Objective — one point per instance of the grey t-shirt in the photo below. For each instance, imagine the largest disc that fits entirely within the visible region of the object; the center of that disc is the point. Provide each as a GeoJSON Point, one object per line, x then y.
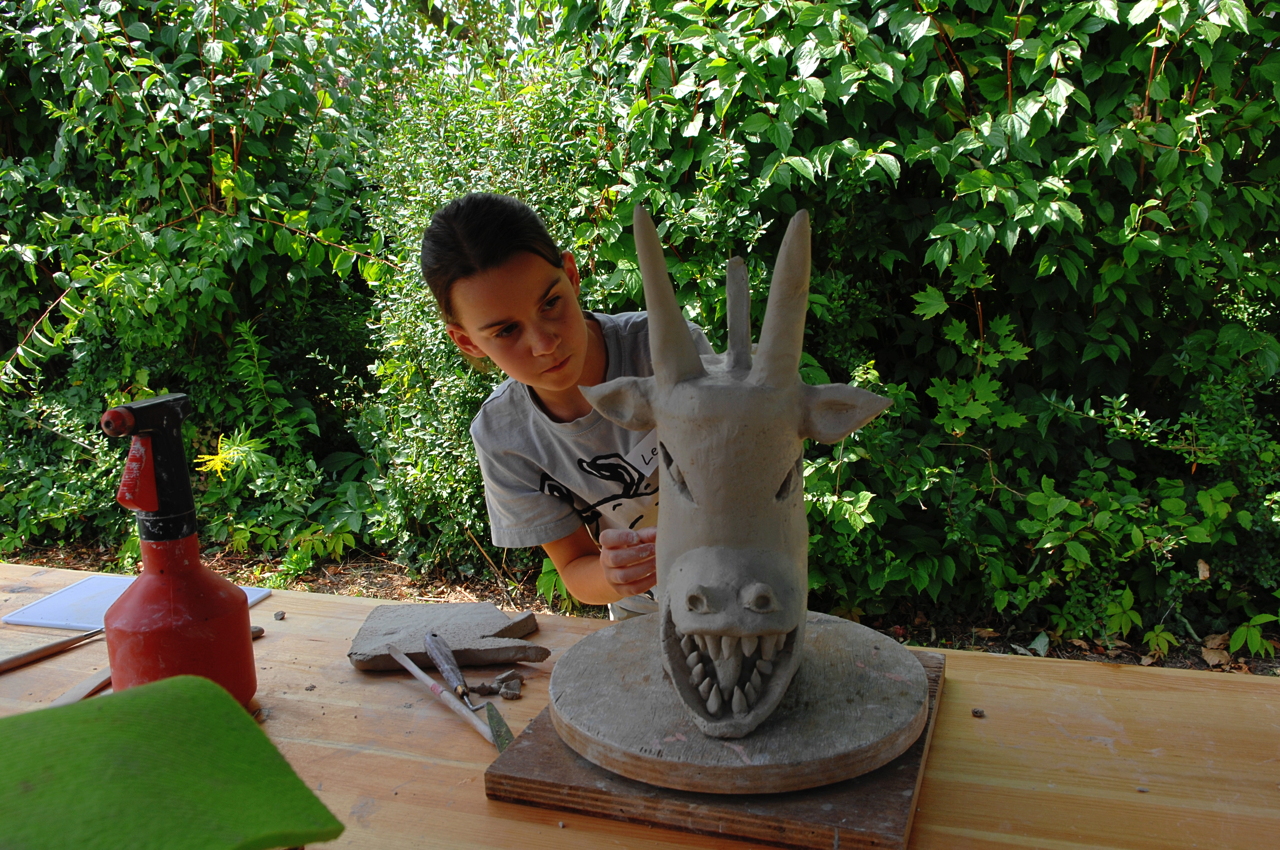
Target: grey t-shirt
{"type": "Point", "coordinates": [543, 479]}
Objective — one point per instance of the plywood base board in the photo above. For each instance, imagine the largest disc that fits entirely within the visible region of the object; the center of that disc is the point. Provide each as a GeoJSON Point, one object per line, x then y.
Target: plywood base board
{"type": "Point", "coordinates": [870, 811]}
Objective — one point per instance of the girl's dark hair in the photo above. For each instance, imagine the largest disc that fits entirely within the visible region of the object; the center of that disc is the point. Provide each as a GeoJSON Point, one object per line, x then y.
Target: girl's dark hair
{"type": "Point", "coordinates": [475, 233]}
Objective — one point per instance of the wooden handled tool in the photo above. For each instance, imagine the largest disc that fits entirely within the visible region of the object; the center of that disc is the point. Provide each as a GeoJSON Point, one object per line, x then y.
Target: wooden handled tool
{"type": "Point", "coordinates": [102, 678]}
{"type": "Point", "coordinates": [45, 651]}
{"type": "Point", "coordinates": [442, 657]}
{"type": "Point", "coordinates": [88, 687]}
{"type": "Point", "coordinates": [443, 693]}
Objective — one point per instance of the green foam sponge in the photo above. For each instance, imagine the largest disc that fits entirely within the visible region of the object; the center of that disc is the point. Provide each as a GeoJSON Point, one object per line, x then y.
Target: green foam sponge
{"type": "Point", "coordinates": [173, 765]}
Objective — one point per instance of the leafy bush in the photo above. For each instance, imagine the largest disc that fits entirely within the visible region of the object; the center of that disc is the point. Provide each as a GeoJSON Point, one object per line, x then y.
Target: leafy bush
{"type": "Point", "coordinates": [545, 125]}
{"type": "Point", "coordinates": [1048, 233]}
{"type": "Point", "coordinates": [181, 208]}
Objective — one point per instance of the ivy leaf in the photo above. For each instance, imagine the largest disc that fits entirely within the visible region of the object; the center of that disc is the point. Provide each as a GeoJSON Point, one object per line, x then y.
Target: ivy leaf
{"type": "Point", "coordinates": [1142, 10]}
{"type": "Point", "coordinates": [807, 58]}
{"type": "Point", "coordinates": [931, 303]}
{"type": "Point", "coordinates": [756, 123]}
{"type": "Point", "coordinates": [1108, 10]}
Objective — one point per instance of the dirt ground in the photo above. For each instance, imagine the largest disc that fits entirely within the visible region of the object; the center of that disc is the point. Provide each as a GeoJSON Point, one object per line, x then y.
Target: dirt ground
{"type": "Point", "coordinates": [369, 575]}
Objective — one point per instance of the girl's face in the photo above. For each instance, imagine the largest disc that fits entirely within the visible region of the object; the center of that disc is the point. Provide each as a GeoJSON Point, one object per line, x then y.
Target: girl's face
{"type": "Point", "coordinates": [524, 316]}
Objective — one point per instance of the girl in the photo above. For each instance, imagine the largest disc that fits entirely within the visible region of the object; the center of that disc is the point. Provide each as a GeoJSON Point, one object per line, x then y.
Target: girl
{"type": "Point", "coordinates": [557, 474]}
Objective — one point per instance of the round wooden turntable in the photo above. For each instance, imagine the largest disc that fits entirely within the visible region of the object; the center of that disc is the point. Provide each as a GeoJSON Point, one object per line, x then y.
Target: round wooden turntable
{"type": "Point", "coordinates": [858, 701]}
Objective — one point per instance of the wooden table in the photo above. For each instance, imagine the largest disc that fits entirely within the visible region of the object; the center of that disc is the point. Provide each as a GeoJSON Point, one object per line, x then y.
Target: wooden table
{"type": "Point", "coordinates": [1070, 754]}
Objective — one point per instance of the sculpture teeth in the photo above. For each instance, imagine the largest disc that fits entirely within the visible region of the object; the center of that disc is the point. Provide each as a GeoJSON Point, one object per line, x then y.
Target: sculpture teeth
{"type": "Point", "coordinates": [714, 701]}
{"type": "Point", "coordinates": [728, 670]}
{"type": "Point", "coordinates": [715, 663]}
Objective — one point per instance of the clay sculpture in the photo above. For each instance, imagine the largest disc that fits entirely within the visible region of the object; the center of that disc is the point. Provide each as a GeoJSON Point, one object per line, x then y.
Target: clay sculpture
{"type": "Point", "coordinates": [732, 547]}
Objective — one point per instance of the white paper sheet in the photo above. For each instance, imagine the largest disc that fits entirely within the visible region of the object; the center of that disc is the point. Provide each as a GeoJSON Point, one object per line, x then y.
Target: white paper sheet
{"type": "Point", "coordinates": [81, 606]}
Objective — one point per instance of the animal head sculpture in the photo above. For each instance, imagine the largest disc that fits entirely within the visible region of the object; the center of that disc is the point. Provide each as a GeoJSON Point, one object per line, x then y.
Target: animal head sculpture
{"type": "Point", "coordinates": [733, 543]}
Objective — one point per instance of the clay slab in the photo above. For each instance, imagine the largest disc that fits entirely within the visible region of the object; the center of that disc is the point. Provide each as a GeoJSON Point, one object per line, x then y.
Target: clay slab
{"type": "Point", "coordinates": [477, 632]}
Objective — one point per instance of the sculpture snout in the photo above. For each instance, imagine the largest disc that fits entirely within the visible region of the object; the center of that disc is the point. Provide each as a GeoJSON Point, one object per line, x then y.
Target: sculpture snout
{"type": "Point", "coordinates": [732, 625]}
{"type": "Point", "coordinates": [724, 591]}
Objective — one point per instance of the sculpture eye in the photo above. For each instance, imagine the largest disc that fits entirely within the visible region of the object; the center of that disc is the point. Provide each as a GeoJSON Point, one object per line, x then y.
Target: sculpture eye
{"type": "Point", "coordinates": [795, 475]}
{"type": "Point", "coordinates": [677, 477]}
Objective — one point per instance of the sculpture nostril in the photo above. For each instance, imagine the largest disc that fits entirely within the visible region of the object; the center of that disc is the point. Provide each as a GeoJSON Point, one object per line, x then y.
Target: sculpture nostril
{"type": "Point", "coordinates": [759, 598]}
{"type": "Point", "coordinates": [699, 601]}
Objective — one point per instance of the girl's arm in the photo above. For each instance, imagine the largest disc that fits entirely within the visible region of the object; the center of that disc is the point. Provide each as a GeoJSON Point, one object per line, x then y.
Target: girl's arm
{"type": "Point", "coordinates": [624, 567]}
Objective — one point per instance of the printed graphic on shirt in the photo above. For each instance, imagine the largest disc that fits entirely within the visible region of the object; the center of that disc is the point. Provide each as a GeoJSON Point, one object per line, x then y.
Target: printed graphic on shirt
{"type": "Point", "coordinates": [630, 483]}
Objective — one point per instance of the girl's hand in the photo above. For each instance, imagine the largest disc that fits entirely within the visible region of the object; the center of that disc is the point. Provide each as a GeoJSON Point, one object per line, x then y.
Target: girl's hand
{"type": "Point", "coordinates": [628, 559]}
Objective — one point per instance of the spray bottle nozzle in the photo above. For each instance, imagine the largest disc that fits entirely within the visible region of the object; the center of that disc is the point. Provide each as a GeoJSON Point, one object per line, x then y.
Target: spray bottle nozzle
{"type": "Point", "coordinates": [155, 484]}
{"type": "Point", "coordinates": [164, 413]}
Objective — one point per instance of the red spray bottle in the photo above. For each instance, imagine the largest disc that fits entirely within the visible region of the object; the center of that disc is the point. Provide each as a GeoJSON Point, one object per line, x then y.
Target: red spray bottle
{"type": "Point", "coordinates": [177, 617]}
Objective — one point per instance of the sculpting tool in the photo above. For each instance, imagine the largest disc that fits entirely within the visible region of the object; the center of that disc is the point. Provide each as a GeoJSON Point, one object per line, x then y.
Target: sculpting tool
{"type": "Point", "coordinates": [442, 657]}
{"type": "Point", "coordinates": [88, 687]}
{"type": "Point", "coordinates": [45, 651]}
{"type": "Point", "coordinates": [102, 678]}
{"type": "Point", "coordinates": [443, 693]}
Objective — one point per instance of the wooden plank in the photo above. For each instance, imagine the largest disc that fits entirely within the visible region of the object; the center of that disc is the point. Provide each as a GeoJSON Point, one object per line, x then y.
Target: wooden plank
{"type": "Point", "coordinates": [1064, 748]}
{"type": "Point", "coordinates": [1055, 763]}
{"type": "Point", "coordinates": [871, 811]}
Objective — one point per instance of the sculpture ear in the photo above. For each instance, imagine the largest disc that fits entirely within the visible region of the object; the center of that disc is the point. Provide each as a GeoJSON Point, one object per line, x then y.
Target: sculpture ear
{"type": "Point", "coordinates": [834, 411]}
{"type": "Point", "coordinates": [626, 401]}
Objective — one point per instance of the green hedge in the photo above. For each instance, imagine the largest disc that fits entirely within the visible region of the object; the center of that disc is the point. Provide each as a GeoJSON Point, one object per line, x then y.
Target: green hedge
{"type": "Point", "coordinates": [1048, 233]}
{"type": "Point", "coordinates": [182, 209]}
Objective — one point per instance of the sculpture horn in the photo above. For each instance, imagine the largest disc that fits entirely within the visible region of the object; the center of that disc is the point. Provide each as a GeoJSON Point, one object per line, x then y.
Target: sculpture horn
{"type": "Point", "coordinates": [675, 359]}
{"type": "Point", "coordinates": [738, 308]}
{"type": "Point", "coordinates": [777, 357]}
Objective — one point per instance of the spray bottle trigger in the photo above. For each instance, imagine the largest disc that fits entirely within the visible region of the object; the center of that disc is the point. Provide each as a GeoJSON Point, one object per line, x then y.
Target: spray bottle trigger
{"type": "Point", "coordinates": [138, 484]}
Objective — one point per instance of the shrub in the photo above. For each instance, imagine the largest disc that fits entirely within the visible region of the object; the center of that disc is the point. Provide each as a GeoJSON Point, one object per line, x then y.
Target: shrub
{"type": "Point", "coordinates": [181, 209]}
{"type": "Point", "coordinates": [545, 125]}
{"type": "Point", "coordinates": [1048, 233]}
